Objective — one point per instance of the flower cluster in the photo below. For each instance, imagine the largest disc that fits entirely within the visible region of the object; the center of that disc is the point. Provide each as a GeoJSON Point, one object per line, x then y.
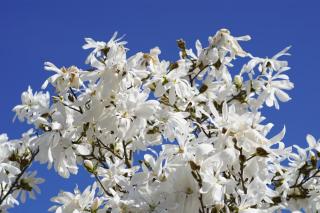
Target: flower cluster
{"type": "Point", "coordinates": [160, 136]}
{"type": "Point", "coordinates": [16, 157]}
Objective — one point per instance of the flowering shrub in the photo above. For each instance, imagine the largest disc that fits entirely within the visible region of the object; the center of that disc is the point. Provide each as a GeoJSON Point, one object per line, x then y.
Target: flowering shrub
{"type": "Point", "coordinates": [196, 125]}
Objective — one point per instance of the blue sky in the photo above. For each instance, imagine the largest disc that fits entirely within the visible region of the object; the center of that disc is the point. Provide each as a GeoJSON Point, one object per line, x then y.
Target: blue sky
{"type": "Point", "coordinates": [32, 32]}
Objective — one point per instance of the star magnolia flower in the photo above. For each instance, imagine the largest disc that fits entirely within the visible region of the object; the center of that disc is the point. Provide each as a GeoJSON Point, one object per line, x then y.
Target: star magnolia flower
{"type": "Point", "coordinates": [33, 105]}
{"type": "Point", "coordinates": [76, 202]}
{"type": "Point", "coordinates": [224, 40]}
{"type": "Point", "coordinates": [29, 185]}
{"type": "Point", "coordinates": [64, 77]}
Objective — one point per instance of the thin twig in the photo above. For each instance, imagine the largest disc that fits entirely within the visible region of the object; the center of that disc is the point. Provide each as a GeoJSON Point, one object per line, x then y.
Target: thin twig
{"type": "Point", "coordinates": [126, 159]}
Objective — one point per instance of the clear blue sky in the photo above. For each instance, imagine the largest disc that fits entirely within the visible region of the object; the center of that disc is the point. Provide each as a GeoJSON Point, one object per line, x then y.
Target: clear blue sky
{"type": "Point", "coordinates": [32, 32]}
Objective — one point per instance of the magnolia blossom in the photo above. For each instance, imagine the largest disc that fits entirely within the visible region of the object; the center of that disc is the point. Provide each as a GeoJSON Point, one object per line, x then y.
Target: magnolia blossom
{"type": "Point", "coordinates": [32, 106]}
{"type": "Point", "coordinates": [76, 202]}
{"type": "Point", "coordinates": [163, 136]}
{"type": "Point", "coordinates": [29, 183]}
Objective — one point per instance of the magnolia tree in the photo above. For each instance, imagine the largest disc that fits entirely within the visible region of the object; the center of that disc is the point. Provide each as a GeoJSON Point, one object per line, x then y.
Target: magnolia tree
{"type": "Point", "coordinates": [160, 136]}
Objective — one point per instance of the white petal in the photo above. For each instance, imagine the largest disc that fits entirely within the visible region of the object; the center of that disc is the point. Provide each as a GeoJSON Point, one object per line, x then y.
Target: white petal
{"type": "Point", "coordinates": [83, 149]}
{"type": "Point", "coordinates": [279, 136]}
{"type": "Point", "coordinates": [284, 97]}
{"type": "Point", "coordinates": [172, 96]}
{"type": "Point", "coordinates": [311, 140]}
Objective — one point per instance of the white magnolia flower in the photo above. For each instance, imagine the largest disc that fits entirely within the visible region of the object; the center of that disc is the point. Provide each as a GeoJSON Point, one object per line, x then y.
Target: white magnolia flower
{"type": "Point", "coordinates": [64, 77]}
{"type": "Point", "coordinates": [75, 202]}
{"type": "Point", "coordinates": [29, 186]}
{"type": "Point", "coordinates": [33, 105]}
{"type": "Point", "coordinates": [267, 63]}
{"type": "Point", "coordinates": [114, 174]}
{"type": "Point", "coordinates": [185, 190]}
{"type": "Point", "coordinates": [273, 89]}
{"type": "Point", "coordinates": [174, 124]}
{"type": "Point", "coordinates": [172, 82]}
{"type": "Point", "coordinates": [224, 40]}
{"type": "Point", "coordinates": [106, 55]}
{"type": "Point", "coordinates": [131, 113]}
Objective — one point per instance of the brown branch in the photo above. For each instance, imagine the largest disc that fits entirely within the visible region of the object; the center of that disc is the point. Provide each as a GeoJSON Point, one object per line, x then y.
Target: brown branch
{"type": "Point", "coordinates": [104, 189]}
{"type": "Point", "coordinates": [126, 159]}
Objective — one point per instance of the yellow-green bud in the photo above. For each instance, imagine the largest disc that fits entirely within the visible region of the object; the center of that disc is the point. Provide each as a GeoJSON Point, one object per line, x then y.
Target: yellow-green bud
{"type": "Point", "coordinates": [238, 81]}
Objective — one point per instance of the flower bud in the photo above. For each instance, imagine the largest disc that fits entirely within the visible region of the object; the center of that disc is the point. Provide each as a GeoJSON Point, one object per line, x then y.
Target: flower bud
{"type": "Point", "coordinates": [95, 204]}
{"type": "Point", "coordinates": [238, 81]}
{"type": "Point", "coordinates": [261, 152]}
{"type": "Point", "coordinates": [24, 184]}
{"type": "Point", "coordinates": [89, 165]}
